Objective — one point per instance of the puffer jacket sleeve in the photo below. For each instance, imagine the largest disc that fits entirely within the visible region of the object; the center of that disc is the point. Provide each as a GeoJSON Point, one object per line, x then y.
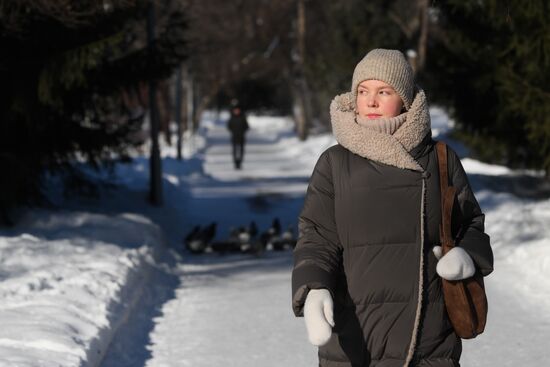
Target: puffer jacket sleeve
{"type": "Point", "coordinates": [318, 252]}
{"type": "Point", "coordinates": [471, 234]}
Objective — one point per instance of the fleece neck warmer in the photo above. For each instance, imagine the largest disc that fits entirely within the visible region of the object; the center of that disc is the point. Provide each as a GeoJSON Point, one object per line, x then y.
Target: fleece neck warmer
{"type": "Point", "coordinates": [375, 144]}
{"type": "Point", "coordinates": [382, 125]}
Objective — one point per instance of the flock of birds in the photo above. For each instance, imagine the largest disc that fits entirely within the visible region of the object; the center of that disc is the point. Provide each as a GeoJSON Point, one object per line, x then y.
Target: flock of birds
{"type": "Point", "coordinates": [244, 239]}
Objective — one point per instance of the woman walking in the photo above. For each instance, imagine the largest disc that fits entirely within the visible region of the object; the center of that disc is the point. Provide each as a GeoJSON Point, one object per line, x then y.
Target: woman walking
{"type": "Point", "coordinates": [366, 274]}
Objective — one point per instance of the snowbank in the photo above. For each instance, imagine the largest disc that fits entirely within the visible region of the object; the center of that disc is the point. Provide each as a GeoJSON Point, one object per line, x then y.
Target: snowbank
{"type": "Point", "coordinates": [520, 238]}
{"type": "Point", "coordinates": [68, 281]}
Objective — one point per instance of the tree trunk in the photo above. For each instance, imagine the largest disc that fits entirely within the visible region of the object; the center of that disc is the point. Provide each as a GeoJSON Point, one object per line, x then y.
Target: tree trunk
{"type": "Point", "coordinates": [177, 110]}
{"type": "Point", "coordinates": [189, 106]}
{"type": "Point", "coordinates": [164, 106]}
{"type": "Point", "coordinates": [423, 38]}
{"type": "Point", "coordinates": [301, 107]}
{"type": "Point", "coordinates": [298, 112]}
{"type": "Point", "coordinates": [155, 173]}
{"type": "Point", "coordinates": [301, 97]}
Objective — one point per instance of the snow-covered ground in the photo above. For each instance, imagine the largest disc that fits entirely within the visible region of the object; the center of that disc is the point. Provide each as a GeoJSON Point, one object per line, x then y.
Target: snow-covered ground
{"type": "Point", "coordinates": [110, 273]}
{"type": "Point", "coordinates": [68, 280]}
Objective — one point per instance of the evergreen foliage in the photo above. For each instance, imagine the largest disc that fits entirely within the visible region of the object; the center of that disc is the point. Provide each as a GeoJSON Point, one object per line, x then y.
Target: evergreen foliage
{"type": "Point", "coordinates": [491, 65]}
{"type": "Point", "coordinates": [63, 66]}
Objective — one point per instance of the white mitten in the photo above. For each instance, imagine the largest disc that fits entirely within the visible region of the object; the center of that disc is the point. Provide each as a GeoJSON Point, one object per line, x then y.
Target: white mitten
{"type": "Point", "coordinates": [318, 314]}
{"type": "Point", "coordinates": [455, 265]}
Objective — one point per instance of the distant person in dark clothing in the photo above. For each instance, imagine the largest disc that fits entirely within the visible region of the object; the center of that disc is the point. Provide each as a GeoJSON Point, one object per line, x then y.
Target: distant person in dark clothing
{"type": "Point", "coordinates": [238, 126]}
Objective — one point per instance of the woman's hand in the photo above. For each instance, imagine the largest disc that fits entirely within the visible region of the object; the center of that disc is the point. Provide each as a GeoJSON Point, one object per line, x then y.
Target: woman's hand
{"type": "Point", "coordinates": [455, 265]}
{"type": "Point", "coordinates": [318, 314]}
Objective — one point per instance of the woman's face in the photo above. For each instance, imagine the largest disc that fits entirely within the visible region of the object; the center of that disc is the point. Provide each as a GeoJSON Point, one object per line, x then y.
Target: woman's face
{"type": "Point", "coordinates": [376, 99]}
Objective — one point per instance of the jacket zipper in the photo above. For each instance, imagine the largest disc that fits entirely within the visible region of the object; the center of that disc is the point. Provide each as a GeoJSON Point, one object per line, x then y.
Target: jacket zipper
{"type": "Point", "coordinates": [412, 345]}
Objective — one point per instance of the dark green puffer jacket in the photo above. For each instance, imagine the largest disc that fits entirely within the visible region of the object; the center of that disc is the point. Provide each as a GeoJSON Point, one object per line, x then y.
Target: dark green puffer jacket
{"type": "Point", "coordinates": [369, 223]}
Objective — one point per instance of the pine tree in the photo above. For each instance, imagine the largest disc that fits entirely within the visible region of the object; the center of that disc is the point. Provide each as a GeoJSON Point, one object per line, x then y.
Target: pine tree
{"type": "Point", "coordinates": [492, 62]}
{"type": "Point", "coordinates": [63, 68]}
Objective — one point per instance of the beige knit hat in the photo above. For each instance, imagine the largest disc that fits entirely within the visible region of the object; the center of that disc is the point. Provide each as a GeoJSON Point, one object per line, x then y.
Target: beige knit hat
{"type": "Point", "coordinates": [389, 66]}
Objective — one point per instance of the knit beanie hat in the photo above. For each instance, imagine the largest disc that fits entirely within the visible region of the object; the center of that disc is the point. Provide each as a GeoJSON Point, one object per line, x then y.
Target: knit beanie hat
{"type": "Point", "coordinates": [389, 66]}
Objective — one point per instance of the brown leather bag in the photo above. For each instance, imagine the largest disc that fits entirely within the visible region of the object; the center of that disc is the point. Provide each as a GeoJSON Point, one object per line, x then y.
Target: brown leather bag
{"type": "Point", "coordinates": [465, 299]}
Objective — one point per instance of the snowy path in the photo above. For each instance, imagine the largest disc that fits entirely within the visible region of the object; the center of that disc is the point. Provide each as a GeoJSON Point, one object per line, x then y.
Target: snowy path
{"type": "Point", "coordinates": [232, 313]}
{"type": "Point", "coordinates": [517, 328]}
{"type": "Point", "coordinates": [235, 310]}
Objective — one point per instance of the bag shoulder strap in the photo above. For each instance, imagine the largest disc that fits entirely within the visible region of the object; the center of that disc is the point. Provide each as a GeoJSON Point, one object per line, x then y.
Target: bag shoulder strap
{"type": "Point", "coordinates": [447, 198]}
{"type": "Point", "coordinates": [441, 148]}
